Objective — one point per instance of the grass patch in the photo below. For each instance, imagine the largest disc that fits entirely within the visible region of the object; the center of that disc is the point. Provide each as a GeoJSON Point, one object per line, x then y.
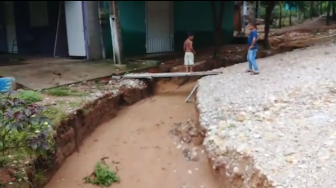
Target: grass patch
{"type": "Point", "coordinates": [30, 96]}
{"type": "Point", "coordinates": [64, 91]}
{"type": "Point", "coordinates": [102, 176]}
{"type": "Point", "coordinates": [55, 115]}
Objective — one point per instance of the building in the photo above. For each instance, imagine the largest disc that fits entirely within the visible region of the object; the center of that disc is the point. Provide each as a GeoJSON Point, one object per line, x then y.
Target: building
{"type": "Point", "coordinates": [162, 26]}
{"type": "Point", "coordinates": [51, 28]}
{"type": "Point", "coordinates": [84, 29]}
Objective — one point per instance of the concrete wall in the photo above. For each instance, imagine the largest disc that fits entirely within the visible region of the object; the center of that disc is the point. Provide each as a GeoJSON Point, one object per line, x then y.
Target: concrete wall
{"type": "Point", "coordinates": [195, 16]}
{"type": "Point", "coordinates": [94, 33]}
{"type": "Point", "coordinates": [40, 40]}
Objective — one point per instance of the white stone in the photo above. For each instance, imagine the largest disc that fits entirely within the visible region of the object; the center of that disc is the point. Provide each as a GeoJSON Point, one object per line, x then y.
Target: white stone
{"type": "Point", "coordinates": [279, 124]}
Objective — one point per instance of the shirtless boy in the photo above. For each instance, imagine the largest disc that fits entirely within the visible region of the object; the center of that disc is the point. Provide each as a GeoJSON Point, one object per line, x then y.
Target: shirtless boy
{"type": "Point", "coordinates": [189, 53]}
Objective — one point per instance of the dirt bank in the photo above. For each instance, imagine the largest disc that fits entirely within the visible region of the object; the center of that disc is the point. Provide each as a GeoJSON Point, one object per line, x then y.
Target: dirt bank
{"type": "Point", "coordinates": [138, 141]}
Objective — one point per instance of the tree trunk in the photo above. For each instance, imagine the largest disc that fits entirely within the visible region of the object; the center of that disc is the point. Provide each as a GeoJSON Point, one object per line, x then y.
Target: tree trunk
{"type": "Point", "coordinates": [280, 15]}
{"type": "Point", "coordinates": [240, 21]}
{"type": "Point", "coordinates": [257, 10]}
{"type": "Point", "coordinates": [237, 25]}
{"type": "Point", "coordinates": [328, 13]}
{"type": "Point", "coordinates": [311, 9]}
{"type": "Point", "coordinates": [217, 20]}
{"type": "Point", "coordinates": [290, 14]}
{"type": "Point", "coordinates": [269, 9]}
{"type": "Point", "coordinates": [238, 8]}
{"type": "Point", "coordinates": [333, 11]}
{"type": "Point", "coordinates": [321, 7]}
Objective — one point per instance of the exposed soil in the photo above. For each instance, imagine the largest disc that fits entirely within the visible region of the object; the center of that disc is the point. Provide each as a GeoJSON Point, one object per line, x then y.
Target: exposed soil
{"type": "Point", "coordinates": [307, 25]}
{"type": "Point", "coordinates": [139, 144]}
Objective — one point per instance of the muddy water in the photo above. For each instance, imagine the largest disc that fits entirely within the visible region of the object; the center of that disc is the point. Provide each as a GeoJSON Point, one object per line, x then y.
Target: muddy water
{"type": "Point", "coordinates": [138, 141]}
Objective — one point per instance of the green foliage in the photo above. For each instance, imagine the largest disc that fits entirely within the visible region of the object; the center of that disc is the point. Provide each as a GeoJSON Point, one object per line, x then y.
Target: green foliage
{"type": "Point", "coordinates": [54, 114]}
{"type": "Point", "coordinates": [30, 96]}
{"type": "Point", "coordinates": [64, 91]}
{"type": "Point", "coordinates": [102, 176]}
{"type": "Point", "coordinates": [25, 134]}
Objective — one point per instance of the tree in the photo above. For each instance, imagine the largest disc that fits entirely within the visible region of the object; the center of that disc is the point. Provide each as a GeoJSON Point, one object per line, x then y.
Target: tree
{"type": "Point", "coordinates": [217, 21]}
{"type": "Point", "coordinates": [328, 13]}
{"type": "Point", "coordinates": [311, 9]}
{"type": "Point", "coordinates": [238, 5]}
{"type": "Point", "coordinates": [333, 15]}
{"type": "Point", "coordinates": [252, 15]}
{"type": "Point", "coordinates": [280, 14]}
{"type": "Point", "coordinates": [269, 6]}
{"type": "Point", "coordinates": [290, 4]}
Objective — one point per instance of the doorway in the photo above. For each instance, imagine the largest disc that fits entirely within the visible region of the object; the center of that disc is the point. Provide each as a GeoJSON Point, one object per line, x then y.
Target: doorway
{"type": "Point", "coordinates": [160, 30]}
{"type": "Point", "coordinates": [75, 28]}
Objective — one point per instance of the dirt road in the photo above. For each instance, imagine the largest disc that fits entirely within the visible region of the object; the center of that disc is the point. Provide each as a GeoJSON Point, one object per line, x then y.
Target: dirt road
{"type": "Point", "coordinates": [138, 139]}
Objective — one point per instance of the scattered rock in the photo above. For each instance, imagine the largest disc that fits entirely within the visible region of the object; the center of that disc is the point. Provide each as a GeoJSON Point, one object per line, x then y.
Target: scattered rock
{"type": "Point", "coordinates": [186, 132]}
{"type": "Point", "coordinates": [190, 154]}
{"type": "Point", "coordinates": [186, 138]}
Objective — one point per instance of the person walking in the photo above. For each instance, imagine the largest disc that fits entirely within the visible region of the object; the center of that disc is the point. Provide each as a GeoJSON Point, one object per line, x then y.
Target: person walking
{"type": "Point", "coordinates": [252, 49]}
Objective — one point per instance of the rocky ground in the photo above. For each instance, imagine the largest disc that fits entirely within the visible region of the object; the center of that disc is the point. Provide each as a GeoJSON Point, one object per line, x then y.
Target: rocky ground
{"type": "Point", "coordinates": [275, 129]}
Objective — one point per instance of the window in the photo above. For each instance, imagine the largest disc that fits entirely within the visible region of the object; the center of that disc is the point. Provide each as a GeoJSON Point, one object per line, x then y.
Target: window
{"type": "Point", "coordinates": [38, 11]}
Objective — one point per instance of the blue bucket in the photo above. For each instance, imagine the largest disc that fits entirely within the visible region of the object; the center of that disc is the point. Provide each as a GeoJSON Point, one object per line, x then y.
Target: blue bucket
{"type": "Point", "coordinates": [6, 84]}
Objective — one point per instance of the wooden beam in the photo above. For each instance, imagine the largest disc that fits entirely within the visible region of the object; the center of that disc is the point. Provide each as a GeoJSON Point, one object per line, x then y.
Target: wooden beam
{"type": "Point", "coordinates": [191, 93]}
{"type": "Point", "coordinates": [167, 75]}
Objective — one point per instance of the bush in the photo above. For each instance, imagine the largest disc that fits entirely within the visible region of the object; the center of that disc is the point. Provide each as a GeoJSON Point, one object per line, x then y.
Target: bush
{"type": "Point", "coordinates": [29, 96]}
{"type": "Point", "coordinates": [25, 135]}
{"type": "Point", "coordinates": [102, 176]}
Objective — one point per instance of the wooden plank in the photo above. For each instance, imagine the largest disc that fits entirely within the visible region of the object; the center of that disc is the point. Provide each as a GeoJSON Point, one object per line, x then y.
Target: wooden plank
{"type": "Point", "coordinates": [191, 93]}
{"type": "Point", "coordinates": [170, 74]}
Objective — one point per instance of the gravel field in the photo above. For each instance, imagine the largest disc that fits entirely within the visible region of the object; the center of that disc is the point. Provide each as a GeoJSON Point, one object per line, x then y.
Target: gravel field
{"type": "Point", "coordinates": [276, 129]}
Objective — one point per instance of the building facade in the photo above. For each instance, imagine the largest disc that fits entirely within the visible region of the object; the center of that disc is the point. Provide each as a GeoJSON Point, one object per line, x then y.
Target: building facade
{"type": "Point", "coordinates": [51, 28]}
{"type": "Point", "coordinates": [162, 26]}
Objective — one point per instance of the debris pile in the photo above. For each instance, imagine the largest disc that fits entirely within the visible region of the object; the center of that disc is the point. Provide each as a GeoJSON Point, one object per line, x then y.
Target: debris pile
{"type": "Point", "coordinates": [127, 83]}
{"type": "Point", "coordinates": [186, 132]}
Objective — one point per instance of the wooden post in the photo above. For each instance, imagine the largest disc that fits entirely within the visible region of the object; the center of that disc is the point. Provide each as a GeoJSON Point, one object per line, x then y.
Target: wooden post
{"type": "Point", "coordinates": [115, 32]}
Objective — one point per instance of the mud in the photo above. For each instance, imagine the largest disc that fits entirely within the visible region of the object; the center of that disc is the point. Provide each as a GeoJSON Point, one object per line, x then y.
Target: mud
{"type": "Point", "coordinates": [137, 142]}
